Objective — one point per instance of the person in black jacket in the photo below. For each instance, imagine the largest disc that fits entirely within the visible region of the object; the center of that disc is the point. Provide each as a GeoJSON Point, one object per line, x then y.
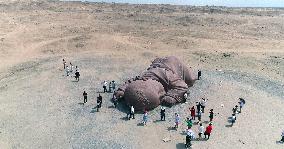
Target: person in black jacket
{"type": "Point", "coordinates": [198, 74]}
{"type": "Point", "coordinates": [85, 96]}
{"type": "Point", "coordinates": [99, 102]}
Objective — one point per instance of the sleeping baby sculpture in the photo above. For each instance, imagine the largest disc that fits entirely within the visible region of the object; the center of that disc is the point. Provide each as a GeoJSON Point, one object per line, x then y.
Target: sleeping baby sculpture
{"type": "Point", "coordinates": [164, 83]}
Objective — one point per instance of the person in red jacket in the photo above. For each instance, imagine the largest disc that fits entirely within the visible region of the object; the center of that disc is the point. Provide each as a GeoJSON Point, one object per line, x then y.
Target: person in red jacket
{"type": "Point", "coordinates": [192, 113]}
{"type": "Point", "coordinates": [208, 131]}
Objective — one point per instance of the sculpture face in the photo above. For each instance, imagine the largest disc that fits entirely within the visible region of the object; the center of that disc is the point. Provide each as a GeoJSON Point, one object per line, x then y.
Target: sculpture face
{"type": "Point", "coordinates": [165, 82]}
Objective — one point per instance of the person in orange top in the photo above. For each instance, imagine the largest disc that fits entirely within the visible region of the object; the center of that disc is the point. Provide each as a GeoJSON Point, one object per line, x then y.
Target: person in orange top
{"type": "Point", "coordinates": [208, 131]}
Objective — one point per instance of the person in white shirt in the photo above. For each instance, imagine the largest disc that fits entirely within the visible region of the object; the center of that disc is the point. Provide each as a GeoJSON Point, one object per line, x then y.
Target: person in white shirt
{"type": "Point", "coordinates": [67, 70]}
{"type": "Point", "coordinates": [200, 130]}
{"type": "Point", "coordinates": [190, 133]}
{"type": "Point", "coordinates": [203, 103]}
{"type": "Point", "coordinates": [105, 86]}
{"type": "Point", "coordinates": [189, 137]}
{"type": "Point", "coordinates": [234, 118]}
{"type": "Point", "coordinates": [132, 112]}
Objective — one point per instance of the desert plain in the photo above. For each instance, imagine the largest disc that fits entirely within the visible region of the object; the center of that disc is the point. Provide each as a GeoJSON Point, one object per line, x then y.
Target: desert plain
{"type": "Point", "coordinates": [240, 52]}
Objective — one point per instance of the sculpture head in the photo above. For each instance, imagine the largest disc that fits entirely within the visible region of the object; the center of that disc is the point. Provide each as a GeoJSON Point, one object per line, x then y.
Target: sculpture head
{"type": "Point", "coordinates": [174, 64]}
{"type": "Point", "coordinates": [144, 94]}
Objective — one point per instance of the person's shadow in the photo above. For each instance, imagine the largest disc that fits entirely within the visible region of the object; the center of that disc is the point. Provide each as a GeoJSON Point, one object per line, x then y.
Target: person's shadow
{"type": "Point", "coordinates": [279, 142]}
{"type": "Point", "coordinates": [171, 128]}
{"type": "Point", "coordinates": [124, 118]}
{"type": "Point", "coordinates": [140, 124]}
{"type": "Point", "coordinates": [180, 146]}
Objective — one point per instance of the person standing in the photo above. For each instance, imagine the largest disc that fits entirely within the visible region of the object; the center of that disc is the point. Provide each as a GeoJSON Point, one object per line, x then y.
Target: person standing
{"type": "Point", "coordinates": [241, 103]}
{"type": "Point", "coordinates": [110, 87]}
{"type": "Point", "coordinates": [77, 75]}
{"type": "Point", "coordinates": [163, 113]}
{"type": "Point", "coordinates": [114, 99]}
{"type": "Point", "coordinates": [198, 106]}
{"type": "Point", "coordinates": [76, 69]}
{"type": "Point", "coordinates": [211, 114]}
{"type": "Point", "coordinates": [203, 103]}
{"type": "Point", "coordinates": [233, 119]}
{"type": "Point", "coordinates": [192, 113]}
{"type": "Point", "coordinates": [177, 120]}
{"type": "Point", "coordinates": [145, 118]}
{"type": "Point", "coordinates": [198, 74]}
{"type": "Point", "coordinates": [282, 135]}
{"type": "Point", "coordinates": [131, 112]}
{"type": "Point", "coordinates": [85, 96]}
{"type": "Point", "coordinates": [189, 137]}
{"type": "Point", "coordinates": [200, 130]}
{"type": "Point", "coordinates": [105, 86]}
{"type": "Point", "coordinates": [199, 116]}
{"type": "Point", "coordinates": [113, 85]}
{"type": "Point", "coordinates": [189, 123]}
{"type": "Point", "coordinates": [71, 67]}
{"type": "Point", "coordinates": [99, 102]}
{"type": "Point", "coordinates": [64, 64]}
{"type": "Point", "coordinates": [208, 131]}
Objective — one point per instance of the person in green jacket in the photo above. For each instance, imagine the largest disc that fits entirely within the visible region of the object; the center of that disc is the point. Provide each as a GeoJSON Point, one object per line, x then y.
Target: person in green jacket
{"type": "Point", "coordinates": [189, 123]}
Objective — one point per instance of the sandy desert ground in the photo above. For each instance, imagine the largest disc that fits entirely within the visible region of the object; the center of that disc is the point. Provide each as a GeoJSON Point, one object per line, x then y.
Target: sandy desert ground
{"type": "Point", "coordinates": [240, 51]}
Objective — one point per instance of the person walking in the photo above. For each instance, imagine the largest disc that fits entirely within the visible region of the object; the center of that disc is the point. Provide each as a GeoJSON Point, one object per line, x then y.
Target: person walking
{"type": "Point", "coordinates": [163, 113]}
{"type": "Point", "coordinates": [211, 114]}
{"type": "Point", "coordinates": [208, 131]}
{"type": "Point", "coordinates": [177, 120]}
{"type": "Point", "coordinates": [64, 64]}
{"type": "Point", "coordinates": [235, 109]}
{"type": "Point", "coordinates": [105, 86]}
{"type": "Point", "coordinates": [145, 118]}
{"type": "Point", "coordinates": [192, 113]}
{"type": "Point", "coordinates": [85, 96]}
{"type": "Point", "coordinates": [200, 130]}
{"type": "Point", "coordinates": [188, 123]}
{"type": "Point", "coordinates": [198, 74]}
{"type": "Point", "coordinates": [203, 103]}
{"type": "Point", "coordinates": [233, 119]}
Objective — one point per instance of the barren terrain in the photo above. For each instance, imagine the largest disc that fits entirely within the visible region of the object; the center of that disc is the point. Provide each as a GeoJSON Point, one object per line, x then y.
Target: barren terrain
{"type": "Point", "coordinates": [239, 50]}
